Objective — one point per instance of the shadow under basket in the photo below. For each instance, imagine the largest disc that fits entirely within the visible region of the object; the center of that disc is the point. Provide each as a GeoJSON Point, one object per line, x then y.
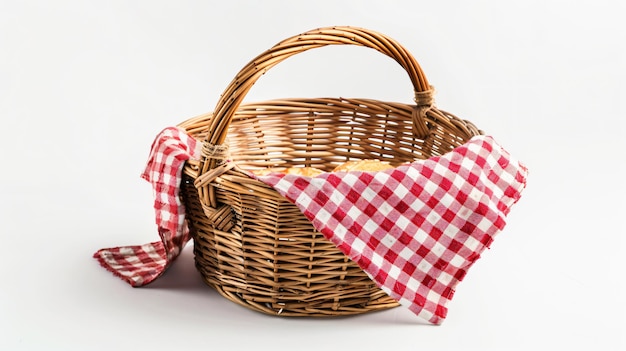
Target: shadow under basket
{"type": "Point", "coordinates": [254, 246]}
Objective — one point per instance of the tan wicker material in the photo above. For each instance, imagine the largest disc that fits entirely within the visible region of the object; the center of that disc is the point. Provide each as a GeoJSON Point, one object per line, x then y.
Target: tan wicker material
{"type": "Point", "coordinates": [254, 246]}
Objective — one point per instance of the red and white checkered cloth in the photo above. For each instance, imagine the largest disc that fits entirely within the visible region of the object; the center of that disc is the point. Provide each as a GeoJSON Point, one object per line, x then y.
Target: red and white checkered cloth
{"type": "Point", "coordinates": [415, 230]}
{"type": "Point", "coordinates": [142, 264]}
{"type": "Point", "coordinates": [418, 228]}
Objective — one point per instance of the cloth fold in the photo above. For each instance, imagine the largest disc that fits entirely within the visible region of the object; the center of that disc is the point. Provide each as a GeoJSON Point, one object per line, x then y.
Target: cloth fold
{"type": "Point", "coordinates": [415, 229]}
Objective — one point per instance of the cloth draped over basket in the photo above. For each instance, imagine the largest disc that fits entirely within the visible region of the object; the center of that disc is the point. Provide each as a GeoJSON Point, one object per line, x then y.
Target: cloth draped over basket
{"type": "Point", "coordinates": [415, 229]}
{"type": "Point", "coordinates": [141, 264]}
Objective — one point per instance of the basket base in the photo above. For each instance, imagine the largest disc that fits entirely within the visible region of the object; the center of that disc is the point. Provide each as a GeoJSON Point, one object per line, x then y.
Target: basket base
{"type": "Point", "coordinates": [332, 308]}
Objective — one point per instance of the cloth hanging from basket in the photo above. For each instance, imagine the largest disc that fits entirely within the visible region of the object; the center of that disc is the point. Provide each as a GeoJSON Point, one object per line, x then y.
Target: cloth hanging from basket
{"type": "Point", "coordinates": [415, 230]}
{"type": "Point", "coordinates": [142, 264]}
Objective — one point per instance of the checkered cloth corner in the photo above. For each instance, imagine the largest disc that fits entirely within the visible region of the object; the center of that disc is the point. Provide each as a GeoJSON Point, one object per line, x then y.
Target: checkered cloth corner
{"type": "Point", "coordinates": [418, 228]}
{"type": "Point", "coordinates": [142, 264]}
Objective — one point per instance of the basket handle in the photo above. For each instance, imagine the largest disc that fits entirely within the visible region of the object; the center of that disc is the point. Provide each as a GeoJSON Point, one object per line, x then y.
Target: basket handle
{"type": "Point", "coordinates": [232, 97]}
{"type": "Point", "coordinates": [212, 166]}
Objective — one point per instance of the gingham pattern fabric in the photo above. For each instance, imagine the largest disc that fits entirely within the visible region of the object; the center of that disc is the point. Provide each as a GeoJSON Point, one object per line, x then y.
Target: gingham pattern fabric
{"type": "Point", "coordinates": [142, 264]}
{"type": "Point", "coordinates": [418, 228]}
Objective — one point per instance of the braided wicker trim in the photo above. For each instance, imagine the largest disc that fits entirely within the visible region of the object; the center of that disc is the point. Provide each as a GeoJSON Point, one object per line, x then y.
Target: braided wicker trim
{"type": "Point", "coordinates": [218, 152]}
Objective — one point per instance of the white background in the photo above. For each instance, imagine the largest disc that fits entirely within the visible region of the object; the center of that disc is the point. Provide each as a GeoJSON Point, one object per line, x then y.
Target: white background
{"type": "Point", "coordinates": [86, 85]}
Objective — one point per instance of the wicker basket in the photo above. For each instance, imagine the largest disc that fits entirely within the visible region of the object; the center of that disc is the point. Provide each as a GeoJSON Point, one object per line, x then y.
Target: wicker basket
{"type": "Point", "coordinates": [254, 246]}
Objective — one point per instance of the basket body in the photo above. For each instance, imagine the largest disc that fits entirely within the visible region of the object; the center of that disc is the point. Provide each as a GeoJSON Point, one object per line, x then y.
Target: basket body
{"type": "Point", "coordinates": [255, 247]}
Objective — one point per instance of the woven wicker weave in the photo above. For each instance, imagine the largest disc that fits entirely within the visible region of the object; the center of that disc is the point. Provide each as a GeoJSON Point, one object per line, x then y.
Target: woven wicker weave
{"type": "Point", "coordinates": [254, 246]}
